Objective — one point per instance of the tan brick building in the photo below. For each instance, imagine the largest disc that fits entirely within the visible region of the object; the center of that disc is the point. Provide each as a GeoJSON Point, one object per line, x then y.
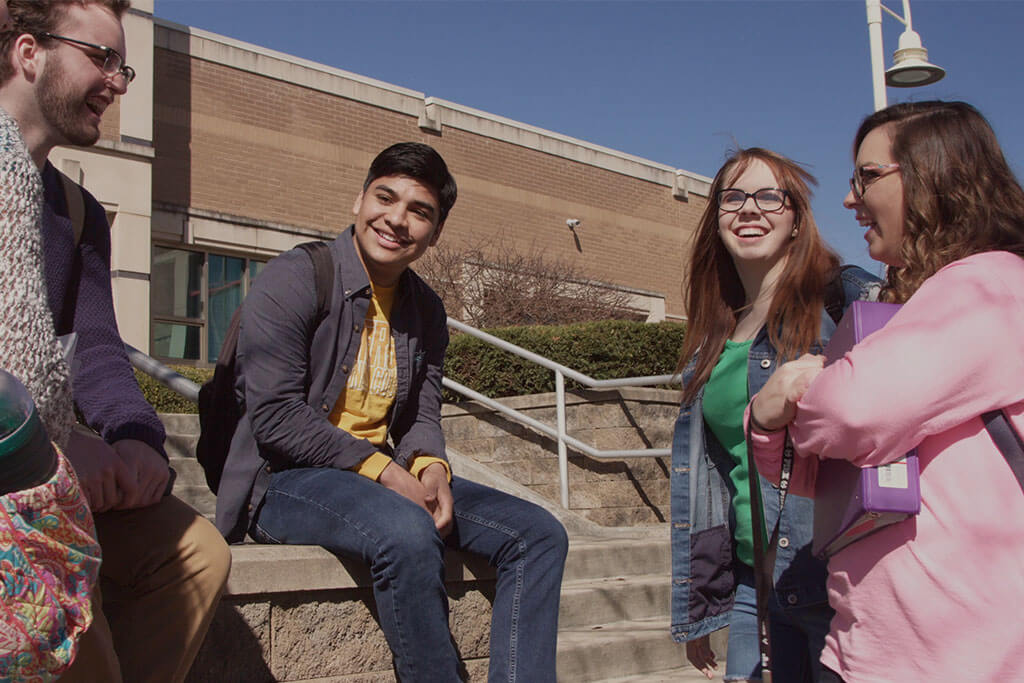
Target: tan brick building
{"type": "Point", "coordinates": [223, 154]}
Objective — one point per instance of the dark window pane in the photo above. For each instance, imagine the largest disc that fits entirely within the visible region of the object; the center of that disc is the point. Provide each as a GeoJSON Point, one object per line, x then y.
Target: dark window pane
{"type": "Point", "coordinates": [175, 341]}
{"type": "Point", "coordinates": [255, 268]}
{"type": "Point", "coordinates": [225, 294]}
{"type": "Point", "coordinates": [176, 283]}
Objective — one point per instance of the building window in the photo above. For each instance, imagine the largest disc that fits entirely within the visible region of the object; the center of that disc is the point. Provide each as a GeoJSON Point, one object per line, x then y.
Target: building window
{"type": "Point", "coordinates": [194, 296]}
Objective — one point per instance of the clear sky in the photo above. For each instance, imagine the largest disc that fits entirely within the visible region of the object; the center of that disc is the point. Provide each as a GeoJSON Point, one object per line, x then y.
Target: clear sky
{"type": "Point", "coordinates": [676, 81]}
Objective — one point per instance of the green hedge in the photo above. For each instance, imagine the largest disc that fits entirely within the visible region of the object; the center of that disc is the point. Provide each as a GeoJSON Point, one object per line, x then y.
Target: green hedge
{"type": "Point", "coordinates": [602, 350]}
{"type": "Point", "coordinates": [167, 401]}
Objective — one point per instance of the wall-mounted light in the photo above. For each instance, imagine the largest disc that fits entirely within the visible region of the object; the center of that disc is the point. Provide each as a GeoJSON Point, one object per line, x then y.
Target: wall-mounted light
{"type": "Point", "coordinates": [573, 223]}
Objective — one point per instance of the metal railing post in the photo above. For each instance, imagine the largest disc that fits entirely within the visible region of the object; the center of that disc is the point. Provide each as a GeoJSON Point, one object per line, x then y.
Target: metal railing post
{"type": "Point", "coordinates": [563, 458]}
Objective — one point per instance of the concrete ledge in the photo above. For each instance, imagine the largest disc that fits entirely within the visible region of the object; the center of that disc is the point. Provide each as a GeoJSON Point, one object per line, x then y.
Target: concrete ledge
{"type": "Point", "coordinates": [262, 569]}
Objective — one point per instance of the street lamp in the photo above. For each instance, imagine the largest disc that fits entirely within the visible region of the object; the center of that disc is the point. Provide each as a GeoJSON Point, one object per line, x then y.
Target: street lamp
{"type": "Point", "coordinates": [910, 61]}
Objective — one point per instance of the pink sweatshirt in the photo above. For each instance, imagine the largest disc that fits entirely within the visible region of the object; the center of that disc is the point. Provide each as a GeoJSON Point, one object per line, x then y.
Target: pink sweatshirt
{"type": "Point", "coordinates": [940, 596]}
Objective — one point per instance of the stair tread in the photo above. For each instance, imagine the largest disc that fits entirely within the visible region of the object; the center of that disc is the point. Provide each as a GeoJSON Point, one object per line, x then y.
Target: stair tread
{"type": "Point", "coordinates": [684, 674]}
{"type": "Point", "coordinates": [580, 585]}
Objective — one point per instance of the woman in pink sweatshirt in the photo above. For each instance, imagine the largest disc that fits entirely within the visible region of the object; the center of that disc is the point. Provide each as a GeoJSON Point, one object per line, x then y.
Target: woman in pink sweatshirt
{"type": "Point", "coordinates": [938, 596]}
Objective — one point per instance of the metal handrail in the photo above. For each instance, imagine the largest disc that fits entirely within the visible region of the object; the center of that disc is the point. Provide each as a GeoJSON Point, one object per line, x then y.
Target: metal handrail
{"type": "Point", "coordinates": [559, 432]}
{"type": "Point", "coordinates": [163, 374]}
{"type": "Point", "coordinates": [190, 390]}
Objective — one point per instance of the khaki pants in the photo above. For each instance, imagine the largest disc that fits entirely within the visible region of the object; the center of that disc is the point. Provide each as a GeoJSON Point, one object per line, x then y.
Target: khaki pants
{"type": "Point", "coordinates": [164, 569]}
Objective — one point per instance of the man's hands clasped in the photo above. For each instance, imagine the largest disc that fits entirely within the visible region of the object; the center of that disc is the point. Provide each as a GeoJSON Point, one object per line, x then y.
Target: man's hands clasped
{"type": "Point", "coordinates": [431, 491]}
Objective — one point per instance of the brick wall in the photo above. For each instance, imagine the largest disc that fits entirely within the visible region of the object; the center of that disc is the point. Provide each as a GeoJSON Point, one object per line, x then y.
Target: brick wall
{"type": "Point", "coordinates": [243, 144]}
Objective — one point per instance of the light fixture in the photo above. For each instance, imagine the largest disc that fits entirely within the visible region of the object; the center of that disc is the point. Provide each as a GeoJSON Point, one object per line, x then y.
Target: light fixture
{"type": "Point", "coordinates": [911, 67]}
{"type": "Point", "coordinates": [910, 64]}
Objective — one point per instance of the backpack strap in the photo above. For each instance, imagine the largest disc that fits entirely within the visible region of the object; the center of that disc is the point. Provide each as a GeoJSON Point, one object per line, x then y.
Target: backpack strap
{"type": "Point", "coordinates": [76, 205]}
{"type": "Point", "coordinates": [75, 201]}
{"type": "Point", "coordinates": [1008, 442]}
{"type": "Point", "coordinates": [323, 269]}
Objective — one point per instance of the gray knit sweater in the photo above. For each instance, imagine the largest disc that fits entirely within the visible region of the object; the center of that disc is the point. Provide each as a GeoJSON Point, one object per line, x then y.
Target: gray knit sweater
{"type": "Point", "coordinates": [28, 344]}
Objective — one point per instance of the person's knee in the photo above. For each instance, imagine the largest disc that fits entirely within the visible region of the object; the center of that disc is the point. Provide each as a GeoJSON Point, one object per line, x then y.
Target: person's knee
{"type": "Point", "coordinates": [543, 532]}
{"type": "Point", "coordinates": [204, 541]}
{"type": "Point", "coordinates": [411, 540]}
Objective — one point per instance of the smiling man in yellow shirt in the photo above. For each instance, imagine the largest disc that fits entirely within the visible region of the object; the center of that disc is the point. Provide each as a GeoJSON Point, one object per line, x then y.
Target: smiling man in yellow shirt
{"type": "Point", "coordinates": [341, 443]}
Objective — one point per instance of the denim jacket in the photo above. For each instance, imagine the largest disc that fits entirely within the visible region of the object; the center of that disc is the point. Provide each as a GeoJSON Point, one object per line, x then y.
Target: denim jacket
{"type": "Point", "coordinates": [291, 369]}
{"type": "Point", "coordinates": [703, 584]}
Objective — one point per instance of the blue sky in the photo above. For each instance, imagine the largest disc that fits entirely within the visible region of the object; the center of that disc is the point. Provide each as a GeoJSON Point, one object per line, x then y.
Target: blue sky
{"type": "Point", "coordinates": [675, 81]}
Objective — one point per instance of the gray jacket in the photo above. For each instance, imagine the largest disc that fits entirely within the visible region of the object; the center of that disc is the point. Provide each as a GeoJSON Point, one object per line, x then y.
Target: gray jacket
{"type": "Point", "coordinates": [291, 370]}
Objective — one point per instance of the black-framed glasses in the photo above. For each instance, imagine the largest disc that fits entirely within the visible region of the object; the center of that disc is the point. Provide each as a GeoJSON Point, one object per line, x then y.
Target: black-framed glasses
{"type": "Point", "coordinates": [112, 63]}
{"type": "Point", "coordinates": [864, 176]}
{"type": "Point", "coordinates": [768, 199]}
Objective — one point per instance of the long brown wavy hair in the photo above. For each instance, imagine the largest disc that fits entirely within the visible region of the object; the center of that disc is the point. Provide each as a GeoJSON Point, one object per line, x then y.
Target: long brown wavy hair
{"type": "Point", "coordinates": [714, 293]}
{"type": "Point", "coordinates": [959, 194]}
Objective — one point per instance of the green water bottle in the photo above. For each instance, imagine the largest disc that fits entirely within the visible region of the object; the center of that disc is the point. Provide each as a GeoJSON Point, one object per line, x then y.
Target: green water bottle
{"type": "Point", "coordinates": [27, 457]}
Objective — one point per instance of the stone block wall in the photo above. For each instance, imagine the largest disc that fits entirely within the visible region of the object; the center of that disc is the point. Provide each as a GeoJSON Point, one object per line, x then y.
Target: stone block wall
{"type": "Point", "coordinates": [611, 493]}
{"type": "Point", "coordinates": [329, 632]}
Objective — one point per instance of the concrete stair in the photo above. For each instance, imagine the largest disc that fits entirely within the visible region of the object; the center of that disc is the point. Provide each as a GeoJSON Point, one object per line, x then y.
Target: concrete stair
{"type": "Point", "coordinates": [614, 624]}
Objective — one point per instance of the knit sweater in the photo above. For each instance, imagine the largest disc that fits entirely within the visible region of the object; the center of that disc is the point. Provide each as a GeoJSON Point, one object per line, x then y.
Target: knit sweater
{"type": "Point", "coordinates": [28, 344]}
{"type": "Point", "coordinates": [81, 299]}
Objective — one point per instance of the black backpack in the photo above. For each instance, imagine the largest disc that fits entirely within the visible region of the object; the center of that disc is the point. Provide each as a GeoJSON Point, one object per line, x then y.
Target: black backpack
{"type": "Point", "coordinates": [219, 411]}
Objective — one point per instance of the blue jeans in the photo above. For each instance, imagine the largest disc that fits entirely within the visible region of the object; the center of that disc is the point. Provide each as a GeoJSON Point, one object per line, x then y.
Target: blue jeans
{"type": "Point", "coordinates": [357, 518]}
{"type": "Point", "coordinates": [797, 636]}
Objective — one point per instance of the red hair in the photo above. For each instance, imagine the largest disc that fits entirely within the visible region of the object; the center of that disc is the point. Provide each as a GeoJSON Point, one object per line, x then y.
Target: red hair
{"type": "Point", "coordinates": [714, 293]}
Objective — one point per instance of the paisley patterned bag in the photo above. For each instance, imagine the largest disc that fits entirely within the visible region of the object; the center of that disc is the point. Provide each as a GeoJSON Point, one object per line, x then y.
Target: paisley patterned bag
{"type": "Point", "coordinates": [49, 562]}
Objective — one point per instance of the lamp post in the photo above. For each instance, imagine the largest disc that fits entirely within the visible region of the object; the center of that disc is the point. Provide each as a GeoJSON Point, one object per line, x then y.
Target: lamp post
{"type": "Point", "coordinates": [910, 61]}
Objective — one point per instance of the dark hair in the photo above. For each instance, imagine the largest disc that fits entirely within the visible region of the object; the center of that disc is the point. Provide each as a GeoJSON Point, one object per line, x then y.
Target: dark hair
{"type": "Point", "coordinates": [421, 163]}
{"type": "Point", "coordinates": [959, 194]}
{"type": "Point", "coordinates": [713, 290]}
{"type": "Point", "coordinates": [36, 17]}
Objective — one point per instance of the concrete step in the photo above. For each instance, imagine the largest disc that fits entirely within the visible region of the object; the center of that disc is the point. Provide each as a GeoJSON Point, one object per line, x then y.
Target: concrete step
{"type": "Point", "coordinates": [680, 674]}
{"type": "Point", "coordinates": [181, 445]}
{"type": "Point", "coordinates": [622, 598]}
{"type": "Point", "coordinates": [685, 674]}
{"type": "Point", "coordinates": [615, 556]}
{"type": "Point", "coordinates": [180, 423]}
{"type": "Point", "coordinates": [199, 497]}
{"type": "Point", "coordinates": [189, 471]}
{"type": "Point", "coordinates": [624, 648]}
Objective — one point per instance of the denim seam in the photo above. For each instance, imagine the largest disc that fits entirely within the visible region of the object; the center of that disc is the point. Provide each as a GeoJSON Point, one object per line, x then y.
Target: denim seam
{"type": "Point", "coordinates": [265, 534]}
{"type": "Point", "coordinates": [513, 658]}
{"type": "Point", "coordinates": [390, 575]}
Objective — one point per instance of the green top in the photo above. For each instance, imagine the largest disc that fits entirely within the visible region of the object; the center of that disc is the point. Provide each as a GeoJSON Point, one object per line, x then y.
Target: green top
{"type": "Point", "coordinates": [725, 398]}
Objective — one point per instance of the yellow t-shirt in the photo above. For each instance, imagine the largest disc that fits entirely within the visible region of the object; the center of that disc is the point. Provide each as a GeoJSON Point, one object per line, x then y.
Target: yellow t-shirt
{"type": "Point", "coordinates": [362, 409]}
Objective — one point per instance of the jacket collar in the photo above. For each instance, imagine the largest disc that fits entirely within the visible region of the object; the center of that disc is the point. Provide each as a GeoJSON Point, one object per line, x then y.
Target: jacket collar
{"type": "Point", "coordinates": [354, 277]}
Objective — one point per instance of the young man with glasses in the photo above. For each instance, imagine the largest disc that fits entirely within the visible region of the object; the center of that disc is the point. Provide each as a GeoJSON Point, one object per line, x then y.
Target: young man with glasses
{"type": "Point", "coordinates": [164, 566]}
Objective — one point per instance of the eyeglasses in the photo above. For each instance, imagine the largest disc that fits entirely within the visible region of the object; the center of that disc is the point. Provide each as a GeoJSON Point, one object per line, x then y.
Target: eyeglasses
{"type": "Point", "coordinates": [864, 176]}
{"type": "Point", "coordinates": [767, 199]}
{"type": "Point", "coordinates": [112, 63]}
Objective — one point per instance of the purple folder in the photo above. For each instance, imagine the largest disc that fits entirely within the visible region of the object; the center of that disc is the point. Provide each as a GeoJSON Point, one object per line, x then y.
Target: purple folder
{"type": "Point", "coordinates": [851, 502]}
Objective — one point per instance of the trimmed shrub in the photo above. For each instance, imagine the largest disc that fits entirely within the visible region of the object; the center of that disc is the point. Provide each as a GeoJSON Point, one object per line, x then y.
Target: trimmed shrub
{"type": "Point", "coordinates": [602, 350]}
{"type": "Point", "coordinates": [166, 400]}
